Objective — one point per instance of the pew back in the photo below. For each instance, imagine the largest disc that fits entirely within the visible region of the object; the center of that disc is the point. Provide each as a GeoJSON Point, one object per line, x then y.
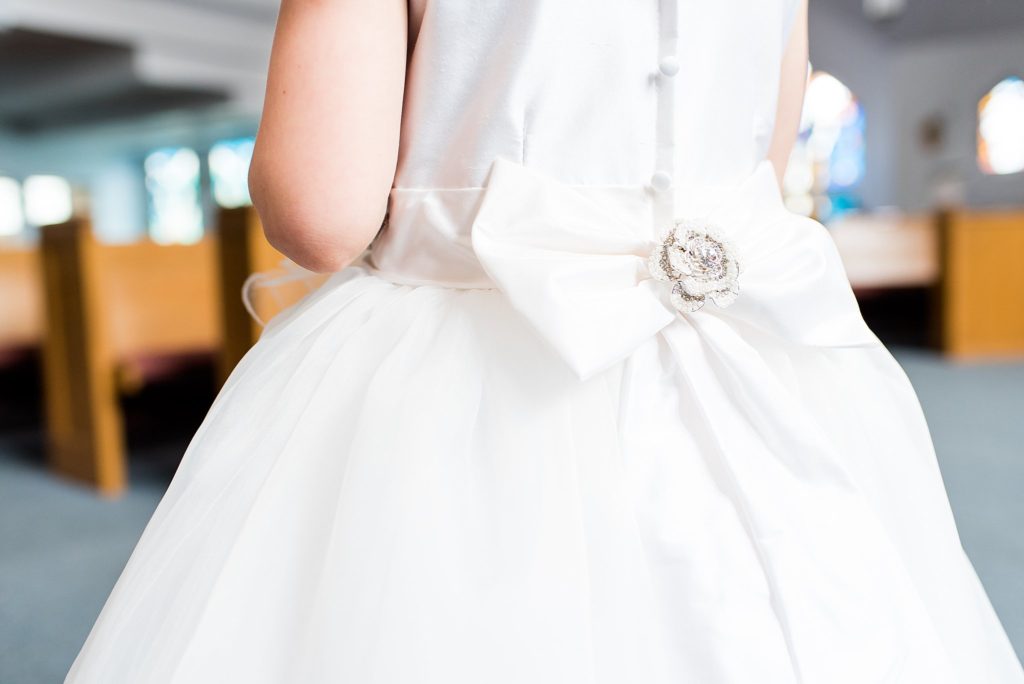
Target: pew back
{"type": "Point", "coordinates": [21, 301]}
{"type": "Point", "coordinates": [108, 307]}
{"type": "Point", "coordinates": [243, 250]}
{"type": "Point", "coordinates": [159, 299]}
{"type": "Point", "coordinates": [888, 250]}
{"type": "Point", "coordinates": [983, 283]}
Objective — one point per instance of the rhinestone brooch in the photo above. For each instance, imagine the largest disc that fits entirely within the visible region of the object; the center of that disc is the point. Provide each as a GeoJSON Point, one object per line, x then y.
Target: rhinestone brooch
{"type": "Point", "coordinates": [700, 263]}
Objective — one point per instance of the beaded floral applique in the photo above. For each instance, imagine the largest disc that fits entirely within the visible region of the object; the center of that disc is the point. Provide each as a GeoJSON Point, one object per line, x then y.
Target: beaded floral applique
{"type": "Point", "coordinates": [701, 264]}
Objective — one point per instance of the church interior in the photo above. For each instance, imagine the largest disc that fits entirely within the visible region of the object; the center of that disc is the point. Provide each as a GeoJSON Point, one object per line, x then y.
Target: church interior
{"type": "Point", "coordinates": [127, 233]}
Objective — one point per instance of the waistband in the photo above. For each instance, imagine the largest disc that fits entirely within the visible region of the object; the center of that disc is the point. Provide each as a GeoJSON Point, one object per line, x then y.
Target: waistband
{"type": "Point", "coordinates": [427, 238]}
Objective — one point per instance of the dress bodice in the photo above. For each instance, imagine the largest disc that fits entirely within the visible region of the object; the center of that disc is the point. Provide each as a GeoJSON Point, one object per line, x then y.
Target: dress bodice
{"type": "Point", "coordinates": [613, 92]}
{"type": "Point", "coordinates": [641, 105]}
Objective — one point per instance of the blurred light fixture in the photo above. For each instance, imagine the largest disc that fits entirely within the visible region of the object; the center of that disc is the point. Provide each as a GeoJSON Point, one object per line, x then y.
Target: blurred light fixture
{"type": "Point", "coordinates": [47, 200]}
{"type": "Point", "coordinates": [881, 10]}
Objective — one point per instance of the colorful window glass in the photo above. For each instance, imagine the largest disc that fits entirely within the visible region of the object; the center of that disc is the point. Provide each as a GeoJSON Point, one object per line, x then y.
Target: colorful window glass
{"type": "Point", "coordinates": [828, 159]}
{"type": "Point", "coordinates": [1001, 128]}
{"type": "Point", "coordinates": [172, 183]}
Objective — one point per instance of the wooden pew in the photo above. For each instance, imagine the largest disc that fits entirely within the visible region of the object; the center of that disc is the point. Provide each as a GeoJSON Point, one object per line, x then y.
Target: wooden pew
{"type": "Point", "coordinates": [970, 257]}
{"type": "Point", "coordinates": [113, 310]}
{"type": "Point", "coordinates": [888, 250]}
{"type": "Point", "coordinates": [21, 301]}
{"type": "Point", "coordinates": [109, 309]}
{"type": "Point", "coordinates": [982, 287]}
{"type": "Point", "coordinates": [893, 261]}
{"type": "Point", "coordinates": [243, 250]}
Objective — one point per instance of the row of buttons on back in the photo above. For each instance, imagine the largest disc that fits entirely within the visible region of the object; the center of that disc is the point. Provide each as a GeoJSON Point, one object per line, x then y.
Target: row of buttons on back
{"type": "Point", "coordinates": [668, 66]}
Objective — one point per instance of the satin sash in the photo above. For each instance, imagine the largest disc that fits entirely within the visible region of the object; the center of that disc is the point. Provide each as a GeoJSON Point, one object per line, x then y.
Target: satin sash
{"type": "Point", "coordinates": [576, 267]}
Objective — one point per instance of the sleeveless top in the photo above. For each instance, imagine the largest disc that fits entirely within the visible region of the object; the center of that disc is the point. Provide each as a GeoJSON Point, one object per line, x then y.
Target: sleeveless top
{"type": "Point", "coordinates": [609, 92]}
{"type": "Point", "coordinates": [651, 95]}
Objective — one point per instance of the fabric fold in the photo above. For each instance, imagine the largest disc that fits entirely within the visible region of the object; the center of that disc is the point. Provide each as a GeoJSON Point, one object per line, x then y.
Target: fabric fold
{"type": "Point", "coordinates": [835, 575]}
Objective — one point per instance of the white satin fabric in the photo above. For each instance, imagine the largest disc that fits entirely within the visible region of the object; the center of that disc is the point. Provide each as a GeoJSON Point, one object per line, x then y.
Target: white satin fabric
{"type": "Point", "coordinates": [574, 89]}
{"type": "Point", "coordinates": [574, 263]}
{"type": "Point", "coordinates": [493, 453]}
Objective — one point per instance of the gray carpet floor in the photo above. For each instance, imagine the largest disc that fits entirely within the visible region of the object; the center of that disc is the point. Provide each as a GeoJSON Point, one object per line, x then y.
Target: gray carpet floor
{"type": "Point", "coordinates": [62, 548]}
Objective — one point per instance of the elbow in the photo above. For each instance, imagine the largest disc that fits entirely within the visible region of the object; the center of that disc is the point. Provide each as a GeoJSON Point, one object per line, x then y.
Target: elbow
{"type": "Point", "coordinates": [313, 247]}
{"type": "Point", "coordinates": [320, 236]}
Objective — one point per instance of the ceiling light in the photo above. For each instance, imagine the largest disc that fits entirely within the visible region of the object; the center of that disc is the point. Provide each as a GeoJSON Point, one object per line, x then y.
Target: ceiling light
{"type": "Point", "coordinates": [880, 10]}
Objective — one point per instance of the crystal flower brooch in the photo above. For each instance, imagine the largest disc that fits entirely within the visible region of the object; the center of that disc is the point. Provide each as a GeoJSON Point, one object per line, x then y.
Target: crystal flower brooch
{"type": "Point", "coordinates": [700, 263]}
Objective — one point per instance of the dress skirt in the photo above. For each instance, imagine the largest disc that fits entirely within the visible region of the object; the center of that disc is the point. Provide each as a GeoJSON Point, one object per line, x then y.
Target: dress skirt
{"type": "Point", "coordinates": [403, 484]}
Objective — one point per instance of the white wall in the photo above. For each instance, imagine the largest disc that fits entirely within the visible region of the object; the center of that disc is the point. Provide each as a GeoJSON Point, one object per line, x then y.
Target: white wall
{"type": "Point", "coordinates": [902, 84]}
{"type": "Point", "coordinates": [949, 78]}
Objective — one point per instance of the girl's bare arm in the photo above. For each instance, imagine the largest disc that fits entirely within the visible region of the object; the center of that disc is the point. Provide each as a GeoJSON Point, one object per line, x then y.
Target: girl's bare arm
{"type": "Point", "coordinates": [791, 94]}
{"type": "Point", "coordinates": [327, 146]}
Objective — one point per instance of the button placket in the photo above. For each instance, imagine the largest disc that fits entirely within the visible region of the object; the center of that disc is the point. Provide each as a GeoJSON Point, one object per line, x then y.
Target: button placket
{"type": "Point", "coordinates": [668, 66]}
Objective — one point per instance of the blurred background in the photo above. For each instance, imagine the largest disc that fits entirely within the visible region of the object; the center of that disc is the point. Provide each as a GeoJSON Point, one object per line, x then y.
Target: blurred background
{"type": "Point", "coordinates": [126, 234]}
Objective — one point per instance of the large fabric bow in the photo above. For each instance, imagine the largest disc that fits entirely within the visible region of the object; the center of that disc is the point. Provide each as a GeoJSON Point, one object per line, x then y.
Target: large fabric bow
{"type": "Point", "coordinates": [577, 268]}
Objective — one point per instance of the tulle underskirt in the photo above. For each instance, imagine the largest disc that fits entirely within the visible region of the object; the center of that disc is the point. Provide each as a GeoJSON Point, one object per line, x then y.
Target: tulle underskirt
{"type": "Point", "coordinates": [404, 484]}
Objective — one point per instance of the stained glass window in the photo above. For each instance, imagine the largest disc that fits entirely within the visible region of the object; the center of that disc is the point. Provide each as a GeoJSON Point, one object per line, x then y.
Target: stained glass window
{"type": "Point", "coordinates": [828, 159]}
{"type": "Point", "coordinates": [172, 183]}
{"type": "Point", "coordinates": [1001, 128]}
{"type": "Point", "coordinates": [229, 171]}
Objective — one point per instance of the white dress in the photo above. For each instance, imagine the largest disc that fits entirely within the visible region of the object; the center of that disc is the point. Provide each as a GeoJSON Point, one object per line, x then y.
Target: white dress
{"type": "Point", "coordinates": [497, 452]}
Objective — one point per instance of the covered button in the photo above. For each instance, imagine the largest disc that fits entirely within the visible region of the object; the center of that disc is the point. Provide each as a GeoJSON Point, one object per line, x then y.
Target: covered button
{"type": "Point", "coordinates": [661, 181]}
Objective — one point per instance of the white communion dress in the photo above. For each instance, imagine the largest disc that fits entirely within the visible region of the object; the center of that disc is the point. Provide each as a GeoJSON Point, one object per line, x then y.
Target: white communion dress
{"type": "Point", "coordinates": [596, 409]}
